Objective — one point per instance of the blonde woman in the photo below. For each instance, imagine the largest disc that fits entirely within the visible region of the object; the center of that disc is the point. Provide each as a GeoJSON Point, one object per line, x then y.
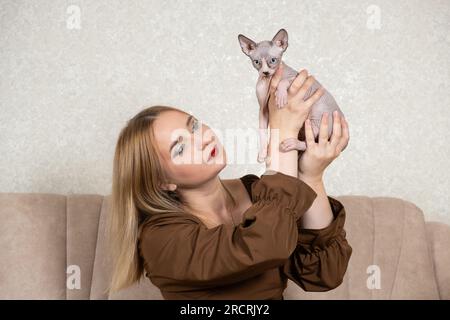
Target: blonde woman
{"type": "Point", "coordinates": [196, 236]}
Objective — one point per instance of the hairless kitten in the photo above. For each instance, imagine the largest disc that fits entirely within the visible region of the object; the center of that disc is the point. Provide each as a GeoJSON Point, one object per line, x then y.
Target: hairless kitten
{"type": "Point", "coordinates": [266, 57]}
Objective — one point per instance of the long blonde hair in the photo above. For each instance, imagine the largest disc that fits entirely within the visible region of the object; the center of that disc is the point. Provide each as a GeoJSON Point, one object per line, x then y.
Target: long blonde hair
{"type": "Point", "coordinates": [136, 194]}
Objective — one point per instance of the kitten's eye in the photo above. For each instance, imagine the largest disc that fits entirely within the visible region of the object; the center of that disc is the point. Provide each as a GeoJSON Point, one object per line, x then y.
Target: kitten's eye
{"type": "Point", "coordinates": [256, 61]}
{"type": "Point", "coordinates": [273, 60]}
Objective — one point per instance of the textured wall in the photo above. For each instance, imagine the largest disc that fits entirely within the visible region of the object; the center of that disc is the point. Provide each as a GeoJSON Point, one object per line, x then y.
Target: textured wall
{"type": "Point", "coordinates": [72, 73]}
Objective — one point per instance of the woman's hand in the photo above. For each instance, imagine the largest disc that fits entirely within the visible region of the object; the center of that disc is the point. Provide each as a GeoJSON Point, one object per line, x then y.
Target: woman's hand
{"type": "Point", "coordinates": [318, 156]}
{"type": "Point", "coordinates": [291, 117]}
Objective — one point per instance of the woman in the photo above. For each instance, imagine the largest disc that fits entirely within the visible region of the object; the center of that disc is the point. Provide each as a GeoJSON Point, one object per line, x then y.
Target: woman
{"type": "Point", "coordinates": [196, 236]}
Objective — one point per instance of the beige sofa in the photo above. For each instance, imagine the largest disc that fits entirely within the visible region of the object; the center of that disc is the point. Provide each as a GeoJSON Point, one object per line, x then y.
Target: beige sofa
{"type": "Point", "coordinates": [44, 238]}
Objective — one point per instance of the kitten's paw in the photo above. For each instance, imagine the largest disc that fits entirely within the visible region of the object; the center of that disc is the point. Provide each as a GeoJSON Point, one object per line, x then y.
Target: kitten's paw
{"type": "Point", "coordinates": [281, 98]}
{"type": "Point", "coordinates": [261, 159]}
{"type": "Point", "coordinates": [262, 156]}
{"type": "Point", "coordinates": [292, 144]}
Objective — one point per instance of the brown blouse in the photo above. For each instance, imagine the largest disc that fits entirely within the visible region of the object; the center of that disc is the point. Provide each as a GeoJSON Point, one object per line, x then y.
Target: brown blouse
{"type": "Point", "coordinates": [253, 260]}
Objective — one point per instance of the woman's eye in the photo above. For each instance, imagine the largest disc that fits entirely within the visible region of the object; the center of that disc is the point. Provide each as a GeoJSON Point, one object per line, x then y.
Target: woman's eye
{"type": "Point", "coordinates": [195, 125]}
{"type": "Point", "coordinates": [256, 61]}
{"type": "Point", "coordinates": [273, 60]}
{"type": "Point", "coordinates": [180, 149]}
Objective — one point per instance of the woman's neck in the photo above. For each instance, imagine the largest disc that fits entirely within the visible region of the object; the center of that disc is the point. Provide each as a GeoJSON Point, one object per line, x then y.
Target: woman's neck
{"type": "Point", "coordinates": [210, 201]}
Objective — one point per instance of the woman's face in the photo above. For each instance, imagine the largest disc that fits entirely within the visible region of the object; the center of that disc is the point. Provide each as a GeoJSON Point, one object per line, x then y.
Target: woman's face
{"type": "Point", "coordinates": [185, 145]}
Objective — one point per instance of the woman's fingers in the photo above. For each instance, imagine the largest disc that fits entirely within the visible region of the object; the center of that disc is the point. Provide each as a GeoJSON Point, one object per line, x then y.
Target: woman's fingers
{"type": "Point", "coordinates": [323, 131]}
{"type": "Point", "coordinates": [346, 130]}
{"type": "Point", "coordinates": [304, 88]}
{"type": "Point", "coordinates": [298, 82]}
{"type": "Point", "coordinates": [309, 134]}
{"type": "Point", "coordinates": [343, 142]}
{"type": "Point", "coordinates": [276, 79]}
{"type": "Point", "coordinates": [316, 96]}
{"type": "Point", "coordinates": [336, 135]}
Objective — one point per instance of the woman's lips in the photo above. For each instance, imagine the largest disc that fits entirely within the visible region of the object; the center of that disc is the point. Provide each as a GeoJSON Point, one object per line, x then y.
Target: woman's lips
{"type": "Point", "coordinates": [213, 152]}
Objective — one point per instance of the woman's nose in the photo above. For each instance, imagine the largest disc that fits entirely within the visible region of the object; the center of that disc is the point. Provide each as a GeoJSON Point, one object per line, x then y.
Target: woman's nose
{"type": "Point", "coordinates": [206, 141]}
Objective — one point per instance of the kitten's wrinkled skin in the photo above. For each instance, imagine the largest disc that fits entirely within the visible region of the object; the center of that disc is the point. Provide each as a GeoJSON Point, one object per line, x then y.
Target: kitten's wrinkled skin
{"type": "Point", "coordinates": [266, 57]}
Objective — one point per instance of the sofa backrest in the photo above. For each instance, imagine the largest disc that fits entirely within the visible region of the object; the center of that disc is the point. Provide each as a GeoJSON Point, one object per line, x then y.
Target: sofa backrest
{"type": "Point", "coordinates": [44, 236]}
{"type": "Point", "coordinates": [389, 242]}
{"type": "Point", "coordinates": [33, 246]}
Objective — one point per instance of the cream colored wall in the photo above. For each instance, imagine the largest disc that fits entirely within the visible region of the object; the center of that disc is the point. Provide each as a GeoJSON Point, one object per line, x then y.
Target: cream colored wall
{"type": "Point", "coordinates": [70, 81]}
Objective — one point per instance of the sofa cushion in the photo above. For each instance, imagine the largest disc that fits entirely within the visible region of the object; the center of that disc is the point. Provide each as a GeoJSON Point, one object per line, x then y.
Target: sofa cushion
{"type": "Point", "coordinates": [83, 214]}
{"type": "Point", "coordinates": [33, 246]}
{"type": "Point", "coordinates": [439, 243]}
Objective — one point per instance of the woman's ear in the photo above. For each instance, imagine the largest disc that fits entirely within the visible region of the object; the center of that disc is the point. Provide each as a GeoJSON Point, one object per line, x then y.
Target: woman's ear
{"type": "Point", "coordinates": [168, 186]}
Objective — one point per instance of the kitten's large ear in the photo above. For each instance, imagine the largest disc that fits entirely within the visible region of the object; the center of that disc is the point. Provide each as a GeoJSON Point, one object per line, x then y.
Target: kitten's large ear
{"type": "Point", "coordinates": [281, 39]}
{"type": "Point", "coordinates": [247, 45]}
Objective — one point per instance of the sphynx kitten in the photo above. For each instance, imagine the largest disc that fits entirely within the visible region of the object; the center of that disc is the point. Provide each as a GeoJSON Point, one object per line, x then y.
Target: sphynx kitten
{"type": "Point", "coordinates": [266, 57]}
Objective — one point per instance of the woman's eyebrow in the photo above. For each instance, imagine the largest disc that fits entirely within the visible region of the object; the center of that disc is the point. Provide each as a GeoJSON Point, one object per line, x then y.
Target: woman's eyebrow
{"type": "Point", "coordinates": [187, 125]}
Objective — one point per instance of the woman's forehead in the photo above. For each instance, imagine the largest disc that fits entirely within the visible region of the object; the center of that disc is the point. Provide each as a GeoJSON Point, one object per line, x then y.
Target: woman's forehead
{"type": "Point", "coordinates": [170, 120]}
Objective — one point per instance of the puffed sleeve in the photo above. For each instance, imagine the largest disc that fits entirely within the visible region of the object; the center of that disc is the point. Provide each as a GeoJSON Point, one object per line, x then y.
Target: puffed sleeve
{"type": "Point", "coordinates": [183, 252]}
{"type": "Point", "coordinates": [320, 260]}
